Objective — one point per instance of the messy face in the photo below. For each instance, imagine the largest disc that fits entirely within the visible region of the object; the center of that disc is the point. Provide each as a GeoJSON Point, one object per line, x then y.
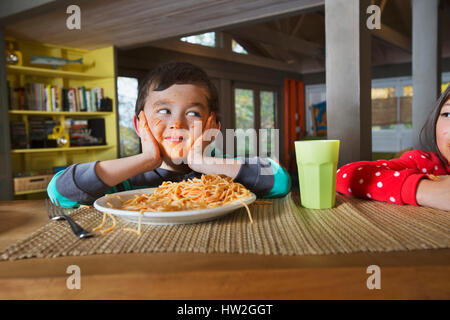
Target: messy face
{"type": "Point", "coordinates": [171, 115]}
{"type": "Point", "coordinates": [443, 130]}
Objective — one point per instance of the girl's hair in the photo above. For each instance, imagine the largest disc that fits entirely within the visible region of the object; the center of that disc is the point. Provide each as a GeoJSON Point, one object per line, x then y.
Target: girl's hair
{"type": "Point", "coordinates": [168, 74]}
{"type": "Point", "coordinates": [428, 132]}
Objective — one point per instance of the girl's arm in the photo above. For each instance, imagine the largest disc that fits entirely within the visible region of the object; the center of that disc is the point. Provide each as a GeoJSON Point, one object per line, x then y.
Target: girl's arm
{"type": "Point", "coordinates": [434, 193]}
{"type": "Point", "coordinates": [393, 181]}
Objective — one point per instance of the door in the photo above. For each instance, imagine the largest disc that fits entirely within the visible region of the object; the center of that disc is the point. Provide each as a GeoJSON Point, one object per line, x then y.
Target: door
{"type": "Point", "coordinates": [255, 113]}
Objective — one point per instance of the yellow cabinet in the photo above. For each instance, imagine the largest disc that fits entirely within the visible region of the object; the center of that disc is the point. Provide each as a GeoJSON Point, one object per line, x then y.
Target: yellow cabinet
{"type": "Point", "coordinates": [96, 71]}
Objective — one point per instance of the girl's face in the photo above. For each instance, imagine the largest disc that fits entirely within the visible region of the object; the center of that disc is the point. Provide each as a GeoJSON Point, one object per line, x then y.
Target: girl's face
{"type": "Point", "coordinates": [443, 130]}
{"type": "Point", "coordinates": [171, 114]}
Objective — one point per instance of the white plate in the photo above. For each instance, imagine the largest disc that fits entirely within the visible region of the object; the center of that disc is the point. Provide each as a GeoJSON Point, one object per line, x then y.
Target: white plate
{"type": "Point", "coordinates": [167, 217]}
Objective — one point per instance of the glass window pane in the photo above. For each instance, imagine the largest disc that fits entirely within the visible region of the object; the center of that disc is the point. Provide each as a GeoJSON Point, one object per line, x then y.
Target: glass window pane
{"type": "Point", "coordinates": [244, 108]}
{"type": "Point", "coordinates": [245, 119]}
{"type": "Point", "coordinates": [267, 99]}
{"type": "Point", "coordinates": [406, 106]}
{"type": "Point", "coordinates": [127, 89]}
{"type": "Point", "coordinates": [383, 93]}
{"type": "Point", "coordinates": [236, 47]}
{"type": "Point", "coordinates": [384, 107]}
{"type": "Point", "coordinates": [407, 91]}
{"type": "Point", "coordinates": [204, 39]}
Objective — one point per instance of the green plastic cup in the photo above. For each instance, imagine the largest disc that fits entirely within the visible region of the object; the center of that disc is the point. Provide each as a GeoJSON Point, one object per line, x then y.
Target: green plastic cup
{"type": "Point", "coordinates": [317, 164]}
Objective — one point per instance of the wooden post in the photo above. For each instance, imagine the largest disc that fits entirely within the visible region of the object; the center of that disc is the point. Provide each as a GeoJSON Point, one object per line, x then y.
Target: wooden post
{"type": "Point", "coordinates": [6, 185]}
{"type": "Point", "coordinates": [348, 78]}
{"type": "Point", "coordinates": [426, 75]}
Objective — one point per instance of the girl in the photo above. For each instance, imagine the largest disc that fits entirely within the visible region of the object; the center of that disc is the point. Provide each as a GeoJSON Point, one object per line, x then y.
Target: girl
{"type": "Point", "coordinates": [174, 103]}
{"type": "Point", "coordinates": [417, 177]}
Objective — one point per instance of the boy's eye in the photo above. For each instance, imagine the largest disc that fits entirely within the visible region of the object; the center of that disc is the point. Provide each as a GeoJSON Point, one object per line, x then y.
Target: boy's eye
{"type": "Point", "coordinates": [163, 111]}
{"type": "Point", "coordinates": [194, 113]}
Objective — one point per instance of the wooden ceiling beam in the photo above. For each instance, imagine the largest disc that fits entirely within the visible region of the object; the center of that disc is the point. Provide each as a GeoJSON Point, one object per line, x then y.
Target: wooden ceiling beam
{"type": "Point", "coordinates": [393, 37]}
{"type": "Point", "coordinates": [222, 54]}
{"type": "Point", "coordinates": [282, 40]}
{"type": "Point", "coordinates": [298, 24]}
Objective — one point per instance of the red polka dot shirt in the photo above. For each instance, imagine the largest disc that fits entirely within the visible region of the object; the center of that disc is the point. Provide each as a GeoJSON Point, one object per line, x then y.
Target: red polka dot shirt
{"type": "Point", "coordinates": [393, 181]}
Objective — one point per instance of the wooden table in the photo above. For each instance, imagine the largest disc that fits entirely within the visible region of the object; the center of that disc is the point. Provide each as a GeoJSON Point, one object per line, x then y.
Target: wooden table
{"type": "Point", "coordinates": [421, 274]}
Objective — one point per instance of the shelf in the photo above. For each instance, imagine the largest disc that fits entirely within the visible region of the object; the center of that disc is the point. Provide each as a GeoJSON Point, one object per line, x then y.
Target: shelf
{"type": "Point", "coordinates": [53, 73]}
{"type": "Point", "coordinates": [29, 192]}
{"type": "Point", "coordinates": [98, 71]}
{"type": "Point", "coordinates": [37, 150]}
{"type": "Point", "coordinates": [59, 113]}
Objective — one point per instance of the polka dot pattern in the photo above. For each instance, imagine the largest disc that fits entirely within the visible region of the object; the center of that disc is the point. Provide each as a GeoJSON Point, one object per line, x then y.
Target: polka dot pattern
{"type": "Point", "coordinates": [393, 181]}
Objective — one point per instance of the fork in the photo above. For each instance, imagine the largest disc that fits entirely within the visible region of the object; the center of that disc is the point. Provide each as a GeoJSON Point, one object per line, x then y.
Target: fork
{"type": "Point", "coordinates": [56, 212]}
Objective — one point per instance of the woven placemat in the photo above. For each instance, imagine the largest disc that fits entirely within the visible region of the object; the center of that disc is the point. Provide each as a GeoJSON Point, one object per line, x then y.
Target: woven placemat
{"type": "Point", "coordinates": [282, 228]}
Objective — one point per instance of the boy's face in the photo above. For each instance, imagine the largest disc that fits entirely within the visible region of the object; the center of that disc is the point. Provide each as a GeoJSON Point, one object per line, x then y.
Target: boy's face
{"type": "Point", "coordinates": [443, 131]}
{"type": "Point", "coordinates": [171, 114]}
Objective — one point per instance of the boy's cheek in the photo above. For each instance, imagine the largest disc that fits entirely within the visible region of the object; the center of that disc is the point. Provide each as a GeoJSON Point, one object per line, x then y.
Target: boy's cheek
{"type": "Point", "coordinates": [157, 131]}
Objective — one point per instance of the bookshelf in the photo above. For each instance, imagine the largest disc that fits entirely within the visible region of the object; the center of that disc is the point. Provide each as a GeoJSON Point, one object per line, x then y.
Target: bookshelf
{"type": "Point", "coordinates": [97, 71]}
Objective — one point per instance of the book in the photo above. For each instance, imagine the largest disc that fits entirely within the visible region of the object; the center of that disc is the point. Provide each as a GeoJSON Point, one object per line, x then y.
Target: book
{"type": "Point", "coordinates": [65, 106]}
{"type": "Point", "coordinates": [19, 138]}
{"type": "Point", "coordinates": [72, 99]}
{"type": "Point", "coordinates": [47, 106]}
{"type": "Point", "coordinates": [83, 98]}
{"type": "Point", "coordinates": [46, 97]}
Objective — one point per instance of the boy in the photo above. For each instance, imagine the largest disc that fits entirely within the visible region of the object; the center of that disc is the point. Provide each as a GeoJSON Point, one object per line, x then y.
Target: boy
{"type": "Point", "coordinates": [175, 101]}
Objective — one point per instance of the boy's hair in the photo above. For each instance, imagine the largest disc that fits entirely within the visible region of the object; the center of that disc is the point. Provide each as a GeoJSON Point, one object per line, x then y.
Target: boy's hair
{"type": "Point", "coordinates": [168, 74]}
{"type": "Point", "coordinates": [428, 132]}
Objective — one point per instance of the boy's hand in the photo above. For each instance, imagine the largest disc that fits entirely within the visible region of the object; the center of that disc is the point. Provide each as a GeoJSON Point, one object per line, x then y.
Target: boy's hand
{"type": "Point", "coordinates": [434, 193]}
{"type": "Point", "coordinates": [150, 147]}
{"type": "Point", "coordinates": [195, 156]}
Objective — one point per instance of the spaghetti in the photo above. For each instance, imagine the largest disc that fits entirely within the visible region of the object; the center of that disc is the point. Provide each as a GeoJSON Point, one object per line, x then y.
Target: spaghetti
{"type": "Point", "coordinates": [100, 226]}
{"type": "Point", "coordinates": [209, 191]}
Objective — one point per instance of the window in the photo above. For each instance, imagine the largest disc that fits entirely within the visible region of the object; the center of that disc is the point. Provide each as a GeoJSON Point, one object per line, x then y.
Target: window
{"type": "Point", "coordinates": [407, 91]}
{"type": "Point", "coordinates": [204, 39]}
{"type": "Point", "coordinates": [244, 108]}
{"type": "Point", "coordinates": [267, 99]}
{"type": "Point", "coordinates": [255, 108]}
{"type": "Point", "coordinates": [236, 47]}
{"type": "Point", "coordinates": [384, 108]}
{"type": "Point", "coordinates": [383, 93]}
{"type": "Point", "coordinates": [127, 89]}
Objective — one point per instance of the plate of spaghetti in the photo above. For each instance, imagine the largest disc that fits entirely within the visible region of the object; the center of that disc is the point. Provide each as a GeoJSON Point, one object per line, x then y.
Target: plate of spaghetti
{"type": "Point", "coordinates": [189, 201]}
